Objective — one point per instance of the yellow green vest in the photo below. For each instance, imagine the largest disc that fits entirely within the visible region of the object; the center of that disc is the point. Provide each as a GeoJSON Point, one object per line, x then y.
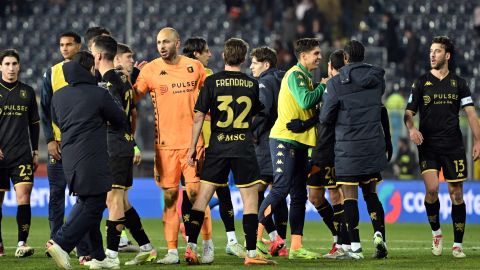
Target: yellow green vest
{"type": "Point", "coordinates": [289, 109]}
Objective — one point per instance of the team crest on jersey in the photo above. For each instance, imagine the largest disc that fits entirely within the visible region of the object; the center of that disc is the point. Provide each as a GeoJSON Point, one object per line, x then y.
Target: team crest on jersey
{"type": "Point", "coordinates": [453, 83]}
{"type": "Point", "coordinates": [426, 100]}
{"type": "Point", "coordinates": [124, 78]}
{"type": "Point", "coordinates": [23, 93]}
{"type": "Point", "coordinates": [190, 69]}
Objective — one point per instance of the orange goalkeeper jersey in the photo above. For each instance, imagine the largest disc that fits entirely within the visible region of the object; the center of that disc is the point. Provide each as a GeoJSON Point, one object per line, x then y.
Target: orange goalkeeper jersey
{"type": "Point", "coordinates": [174, 90]}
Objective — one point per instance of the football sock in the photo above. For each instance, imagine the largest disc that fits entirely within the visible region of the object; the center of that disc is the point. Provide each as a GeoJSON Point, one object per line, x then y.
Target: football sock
{"type": "Point", "coordinates": [24, 218]}
{"type": "Point", "coordinates": [196, 222]}
{"type": "Point", "coordinates": [433, 211]}
{"type": "Point", "coordinates": [352, 219]}
{"type": "Point", "coordinates": [250, 223]}
{"type": "Point", "coordinates": [114, 230]}
{"type": "Point", "coordinates": [376, 212]}
{"type": "Point", "coordinates": [459, 215]}
{"type": "Point", "coordinates": [134, 224]}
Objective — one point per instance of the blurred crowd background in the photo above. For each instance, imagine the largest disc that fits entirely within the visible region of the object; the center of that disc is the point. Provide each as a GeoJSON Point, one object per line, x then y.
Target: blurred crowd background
{"type": "Point", "coordinates": [397, 34]}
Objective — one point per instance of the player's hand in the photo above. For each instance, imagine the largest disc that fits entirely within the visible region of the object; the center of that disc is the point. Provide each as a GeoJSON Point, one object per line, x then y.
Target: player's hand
{"type": "Point", "coordinates": [191, 157]}
{"type": "Point", "coordinates": [324, 80]}
{"type": "Point", "coordinates": [476, 150]}
{"type": "Point", "coordinates": [35, 161]}
{"type": "Point", "coordinates": [54, 150]}
{"type": "Point", "coordinates": [137, 157]}
{"type": "Point", "coordinates": [1, 155]}
{"type": "Point", "coordinates": [416, 136]}
{"type": "Point", "coordinates": [389, 149]}
{"type": "Point", "coordinates": [140, 65]}
{"type": "Point", "coordinates": [296, 126]}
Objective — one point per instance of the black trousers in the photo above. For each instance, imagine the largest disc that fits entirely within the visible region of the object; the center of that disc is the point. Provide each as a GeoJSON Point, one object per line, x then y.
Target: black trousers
{"type": "Point", "coordinates": [84, 218]}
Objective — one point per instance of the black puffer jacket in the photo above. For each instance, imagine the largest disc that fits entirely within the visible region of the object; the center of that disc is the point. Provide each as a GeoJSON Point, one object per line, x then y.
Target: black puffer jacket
{"type": "Point", "coordinates": [269, 85]}
{"type": "Point", "coordinates": [352, 102]}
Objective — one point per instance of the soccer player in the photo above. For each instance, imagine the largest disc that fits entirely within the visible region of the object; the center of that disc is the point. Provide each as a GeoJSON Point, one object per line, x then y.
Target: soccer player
{"type": "Point", "coordinates": [438, 96]}
{"type": "Point", "coordinates": [81, 110]}
{"type": "Point", "coordinates": [93, 32]}
{"type": "Point", "coordinates": [263, 67]}
{"type": "Point", "coordinates": [121, 157]}
{"type": "Point", "coordinates": [322, 176]}
{"type": "Point", "coordinates": [232, 99]}
{"type": "Point", "coordinates": [352, 97]}
{"type": "Point", "coordinates": [173, 82]}
{"type": "Point", "coordinates": [54, 79]}
{"type": "Point", "coordinates": [124, 61]}
{"type": "Point", "coordinates": [197, 48]}
{"type": "Point", "coordinates": [297, 100]}
{"type": "Point", "coordinates": [19, 126]}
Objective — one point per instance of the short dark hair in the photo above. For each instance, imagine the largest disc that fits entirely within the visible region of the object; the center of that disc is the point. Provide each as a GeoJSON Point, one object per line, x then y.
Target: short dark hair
{"type": "Point", "coordinates": [85, 59]}
{"type": "Point", "coordinates": [9, 52]}
{"type": "Point", "coordinates": [235, 51]}
{"type": "Point", "coordinates": [107, 45]}
{"type": "Point", "coordinates": [123, 48]}
{"type": "Point", "coordinates": [355, 51]}
{"type": "Point", "coordinates": [305, 45]}
{"type": "Point", "coordinates": [76, 37]}
{"type": "Point", "coordinates": [337, 59]}
{"type": "Point", "coordinates": [265, 54]}
{"type": "Point", "coordinates": [192, 45]}
{"type": "Point", "coordinates": [95, 31]}
{"type": "Point", "coordinates": [446, 43]}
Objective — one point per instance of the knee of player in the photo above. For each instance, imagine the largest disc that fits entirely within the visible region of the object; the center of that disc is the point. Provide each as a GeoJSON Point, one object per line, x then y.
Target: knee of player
{"type": "Point", "coordinates": [456, 196]}
{"type": "Point", "coordinates": [170, 197]}
{"type": "Point", "coordinates": [316, 199]}
{"type": "Point", "coordinates": [335, 196]}
{"type": "Point", "coordinates": [192, 195]}
{"type": "Point", "coordinates": [432, 193]}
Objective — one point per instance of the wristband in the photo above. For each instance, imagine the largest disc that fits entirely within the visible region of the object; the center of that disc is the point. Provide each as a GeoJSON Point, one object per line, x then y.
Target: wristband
{"type": "Point", "coordinates": [136, 150]}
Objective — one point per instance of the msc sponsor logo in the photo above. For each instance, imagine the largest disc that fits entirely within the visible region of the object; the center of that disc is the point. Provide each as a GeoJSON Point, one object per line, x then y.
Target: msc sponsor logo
{"type": "Point", "coordinates": [230, 137]}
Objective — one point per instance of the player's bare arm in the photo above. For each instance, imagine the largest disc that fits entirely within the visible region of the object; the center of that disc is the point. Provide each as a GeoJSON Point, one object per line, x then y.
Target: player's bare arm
{"type": "Point", "coordinates": [415, 135]}
{"type": "Point", "coordinates": [197, 128]}
{"type": "Point", "coordinates": [475, 127]}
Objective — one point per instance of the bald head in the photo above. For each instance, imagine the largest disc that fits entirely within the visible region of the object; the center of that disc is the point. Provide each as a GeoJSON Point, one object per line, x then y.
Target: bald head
{"type": "Point", "coordinates": [168, 43]}
{"type": "Point", "coordinates": [168, 32]}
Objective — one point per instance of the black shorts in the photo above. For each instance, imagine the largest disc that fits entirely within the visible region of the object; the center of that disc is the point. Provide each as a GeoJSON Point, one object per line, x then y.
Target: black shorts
{"type": "Point", "coordinates": [454, 164]}
{"type": "Point", "coordinates": [245, 171]}
{"type": "Point", "coordinates": [359, 179]}
{"type": "Point", "coordinates": [266, 179]}
{"type": "Point", "coordinates": [21, 174]}
{"type": "Point", "coordinates": [322, 177]}
{"type": "Point", "coordinates": [122, 172]}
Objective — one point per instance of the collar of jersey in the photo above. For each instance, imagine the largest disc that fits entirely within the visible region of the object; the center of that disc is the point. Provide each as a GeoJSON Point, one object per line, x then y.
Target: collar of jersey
{"type": "Point", "coordinates": [304, 69]}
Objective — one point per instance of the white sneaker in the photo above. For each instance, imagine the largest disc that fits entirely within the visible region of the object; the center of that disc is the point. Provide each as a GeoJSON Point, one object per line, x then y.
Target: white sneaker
{"type": "Point", "coordinates": [170, 258]}
{"type": "Point", "coordinates": [107, 263]}
{"type": "Point", "coordinates": [457, 252]}
{"type": "Point", "coordinates": [208, 254]}
{"type": "Point", "coordinates": [24, 251]}
{"type": "Point", "coordinates": [59, 255]}
{"type": "Point", "coordinates": [338, 253]}
{"type": "Point", "coordinates": [235, 249]}
{"type": "Point", "coordinates": [143, 257]}
{"type": "Point", "coordinates": [437, 245]}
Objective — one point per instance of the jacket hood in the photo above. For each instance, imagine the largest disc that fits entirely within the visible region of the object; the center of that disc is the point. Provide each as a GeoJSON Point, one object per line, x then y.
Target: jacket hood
{"type": "Point", "coordinates": [74, 74]}
{"type": "Point", "coordinates": [278, 74]}
{"type": "Point", "coordinates": [365, 75]}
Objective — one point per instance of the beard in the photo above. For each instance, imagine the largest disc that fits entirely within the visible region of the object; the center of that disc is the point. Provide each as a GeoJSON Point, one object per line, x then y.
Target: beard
{"type": "Point", "coordinates": [439, 64]}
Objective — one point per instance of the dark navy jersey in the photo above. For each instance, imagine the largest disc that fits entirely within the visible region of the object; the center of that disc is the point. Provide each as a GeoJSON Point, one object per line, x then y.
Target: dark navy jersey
{"type": "Point", "coordinates": [232, 99]}
{"type": "Point", "coordinates": [18, 110]}
{"type": "Point", "coordinates": [323, 152]}
{"type": "Point", "coordinates": [438, 102]}
{"type": "Point", "coordinates": [120, 141]}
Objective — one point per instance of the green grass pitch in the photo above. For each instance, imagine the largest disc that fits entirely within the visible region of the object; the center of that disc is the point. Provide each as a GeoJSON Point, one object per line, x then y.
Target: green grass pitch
{"type": "Point", "coordinates": [408, 244]}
